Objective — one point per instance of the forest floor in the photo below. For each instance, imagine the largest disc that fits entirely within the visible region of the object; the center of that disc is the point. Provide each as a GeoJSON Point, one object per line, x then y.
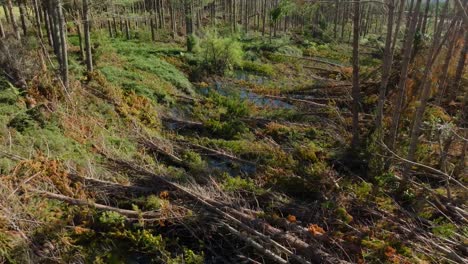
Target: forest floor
{"type": "Point", "coordinates": [170, 166]}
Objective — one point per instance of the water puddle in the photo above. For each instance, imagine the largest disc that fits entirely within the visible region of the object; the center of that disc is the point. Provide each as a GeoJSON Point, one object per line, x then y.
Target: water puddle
{"type": "Point", "coordinates": [226, 89]}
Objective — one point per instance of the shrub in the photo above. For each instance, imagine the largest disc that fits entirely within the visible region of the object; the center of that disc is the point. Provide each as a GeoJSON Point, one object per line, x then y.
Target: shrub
{"type": "Point", "coordinates": [260, 68]}
{"type": "Point", "coordinates": [236, 184]}
{"type": "Point", "coordinates": [290, 51]}
{"type": "Point", "coordinates": [219, 54]}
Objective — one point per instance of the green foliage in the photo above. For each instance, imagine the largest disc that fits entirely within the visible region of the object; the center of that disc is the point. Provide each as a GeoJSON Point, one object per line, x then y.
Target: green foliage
{"type": "Point", "coordinates": [26, 120]}
{"type": "Point", "coordinates": [163, 70]}
{"type": "Point", "coordinates": [222, 115]}
{"type": "Point", "coordinates": [308, 152]}
{"type": "Point", "coordinates": [238, 184]}
{"type": "Point", "coordinates": [362, 190]}
{"type": "Point", "coordinates": [290, 51]}
{"type": "Point", "coordinates": [343, 215]}
{"type": "Point", "coordinates": [197, 164]}
{"type": "Point", "coordinates": [444, 229]}
{"type": "Point", "coordinates": [112, 219]}
{"type": "Point", "coordinates": [219, 54]}
{"type": "Point", "coordinates": [259, 68]}
{"type": "Point", "coordinates": [153, 202]}
{"type": "Point", "coordinates": [191, 257]}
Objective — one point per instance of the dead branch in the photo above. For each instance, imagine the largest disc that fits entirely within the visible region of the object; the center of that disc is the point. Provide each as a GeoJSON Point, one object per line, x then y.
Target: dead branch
{"type": "Point", "coordinates": [219, 153]}
{"type": "Point", "coordinates": [101, 207]}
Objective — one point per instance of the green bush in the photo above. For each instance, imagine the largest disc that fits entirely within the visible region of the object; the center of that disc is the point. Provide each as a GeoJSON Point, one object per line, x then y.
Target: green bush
{"type": "Point", "coordinates": [163, 70]}
{"type": "Point", "coordinates": [290, 51]}
{"type": "Point", "coordinates": [219, 54]}
{"type": "Point", "coordinates": [259, 68]}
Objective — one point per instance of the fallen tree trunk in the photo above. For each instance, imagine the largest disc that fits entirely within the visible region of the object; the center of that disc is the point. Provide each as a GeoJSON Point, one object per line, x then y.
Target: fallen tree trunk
{"type": "Point", "coordinates": [101, 207]}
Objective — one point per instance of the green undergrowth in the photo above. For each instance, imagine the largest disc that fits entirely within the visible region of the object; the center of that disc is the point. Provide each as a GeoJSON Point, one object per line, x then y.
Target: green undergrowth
{"type": "Point", "coordinates": [140, 66]}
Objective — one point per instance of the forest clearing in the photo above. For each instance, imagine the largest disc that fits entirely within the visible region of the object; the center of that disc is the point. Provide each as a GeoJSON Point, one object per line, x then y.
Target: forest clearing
{"type": "Point", "coordinates": [233, 131]}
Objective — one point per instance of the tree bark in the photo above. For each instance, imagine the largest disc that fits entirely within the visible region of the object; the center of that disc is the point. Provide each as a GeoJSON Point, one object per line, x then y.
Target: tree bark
{"type": "Point", "coordinates": [356, 88]}
{"type": "Point", "coordinates": [426, 87]}
{"type": "Point", "coordinates": [407, 51]}
{"type": "Point", "coordinates": [87, 37]}
{"type": "Point", "coordinates": [387, 65]}
{"type": "Point", "coordinates": [455, 84]}
{"type": "Point", "coordinates": [2, 30]}
{"type": "Point", "coordinates": [63, 44]}
{"type": "Point", "coordinates": [21, 5]}
{"type": "Point", "coordinates": [13, 20]}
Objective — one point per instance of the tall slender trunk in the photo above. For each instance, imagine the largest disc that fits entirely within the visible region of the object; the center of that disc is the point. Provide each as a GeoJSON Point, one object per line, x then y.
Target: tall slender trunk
{"type": "Point", "coordinates": [188, 24]}
{"type": "Point", "coordinates": [401, 8]}
{"type": "Point", "coordinates": [87, 37]}
{"type": "Point", "coordinates": [356, 88]}
{"type": "Point", "coordinates": [426, 14]}
{"type": "Point", "coordinates": [12, 19]}
{"type": "Point", "coordinates": [448, 58]}
{"type": "Point", "coordinates": [173, 20]}
{"type": "Point", "coordinates": [407, 51]}
{"type": "Point", "coordinates": [387, 65]}
{"type": "Point", "coordinates": [7, 14]}
{"type": "Point", "coordinates": [335, 21]}
{"type": "Point", "coordinates": [63, 44]}
{"type": "Point", "coordinates": [37, 14]}
{"type": "Point", "coordinates": [426, 88]}
{"type": "Point", "coordinates": [455, 84]}
{"type": "Point", "coordinates": [21, 5]}
{"type": "Point", "coordinates": [2, 31]}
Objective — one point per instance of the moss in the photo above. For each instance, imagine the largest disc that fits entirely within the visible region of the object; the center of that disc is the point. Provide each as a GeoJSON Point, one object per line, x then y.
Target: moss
{"type": "Point", "coordinates": [259, 68]}
{"type": "Point", "coordinates": [238, 184]}
{"type": "Point", "coordinates": [163, 70]}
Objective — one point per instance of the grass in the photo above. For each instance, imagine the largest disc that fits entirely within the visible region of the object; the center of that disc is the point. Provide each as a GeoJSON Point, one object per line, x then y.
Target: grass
{"type": "Point", "coordinates": [139, 67]}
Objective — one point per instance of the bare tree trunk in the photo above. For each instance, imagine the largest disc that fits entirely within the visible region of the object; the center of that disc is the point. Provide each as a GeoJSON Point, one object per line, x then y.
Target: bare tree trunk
{"type": "Point", "coordinates": [23, 16]}
{"type": "Point", "coordinates": [455, 84]}
{"type": "Point", "coordinates": [426, 13]}
{"type": "Point", "coordinates": [436, 16]}
{"type": "Point", "coordinates": [407, 51]}
{"type": "Point", "coordinates": [12, 19]}
{"type": "Point", "coordinates": [87, 37]}
{"type": "Point", "coordinates": [426, 88]}
{"type": "Point", "coordinates": [398, 24]}
{"type": "Point", "coordinates": [335, 24]}
{"type": "Point", "coordinates": [37, 14]}
{"type": "Point", "coordinates": [80, 40]}
{"type": "Point", "coordinates": [445, 67]}
{"type": "Point", "coordinates": [173, 20]}
{"type": "Point", "coordinates": [188, 24]}
{"type": "Point", "coordinates": [356, 88]}
{"type": "Point", "coordinates": [387, 65]}
{"type": "Point", "coordinates": [2, 31]}
{"type": "Point", "coordinates": [7, 14]}
{"type": "Point", "coordinates": [63, 43]}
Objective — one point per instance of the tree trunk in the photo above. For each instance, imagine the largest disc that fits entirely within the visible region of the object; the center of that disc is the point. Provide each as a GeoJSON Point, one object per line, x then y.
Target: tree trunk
{"type": "Point", "coordinates": [7, 14]}
{"type": "Point", "coordinates": [407, 51]}
{"type": "Point", "coordinates": [23, 17]}
{"type": "Point", "coordinates": [356, 88]}
{"type": "Point", "coordinates": [444, 77]}
{"type": "Point", "coordinates": [13, 20]}
{"type": "Point", "coordinates": [2, 31]}
{"type": "Point", "coordinates": [455, 84]}
{"type": "Point", "coordinates": [387, 65]}
{"type": "Point", "coordinates": [63, 44]}
{"type": "Point", "coordinates": [87, 37]}
{"type": "Point", "coordinates": [426, 13]}
{"type": "Point", "coordinates": [188, 24]}
{"type": "Point", "coordinates": [398, 24]}
{"type": "Point", "coordinates": [426, 88]}
{"type": "Point", "coordinates": [37, 14]}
